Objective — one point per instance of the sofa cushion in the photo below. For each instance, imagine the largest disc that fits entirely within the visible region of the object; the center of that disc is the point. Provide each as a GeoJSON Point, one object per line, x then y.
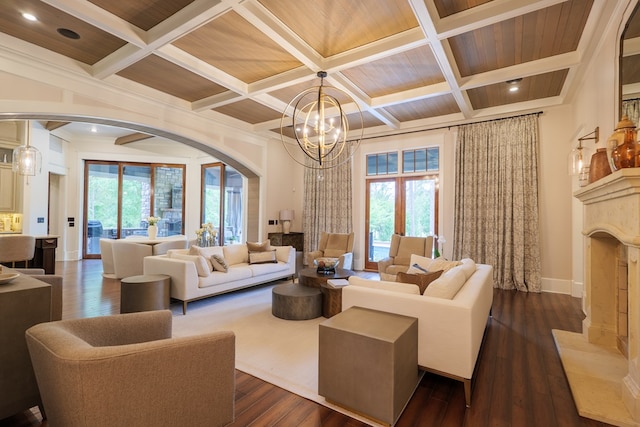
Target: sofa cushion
{"type": "Point", "coordinates": [422, 280]}
{"type": "Point", "coordinates": [405, 288]}
{"type": "Point", "coordinates": [447, 285]}
{"type": "Point", "coordinates": [419, 264]}
{"type": "Point", "coordinates": [468, 266]}
{"type": "Point", "coordinates": [219, 264]}
{"type": "Point", "coordinates": [263, 257]}
{"type": "Point", "coordinates": [206, 253]}
{"type": "Point", "coordinates": [259, 246]}
{"type": "Point", "coordinates": [201, 264]}
{"type": "Point", "coordinates": [235, 254]}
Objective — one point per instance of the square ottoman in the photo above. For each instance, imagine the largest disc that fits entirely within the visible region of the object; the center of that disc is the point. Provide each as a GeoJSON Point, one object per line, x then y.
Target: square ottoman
{"type": "Point", "coordinates": [368, 362]}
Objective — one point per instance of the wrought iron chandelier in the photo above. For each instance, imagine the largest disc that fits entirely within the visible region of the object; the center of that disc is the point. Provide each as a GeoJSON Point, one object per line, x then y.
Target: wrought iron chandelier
{"type": "Point", "coordinates": [320, 127]}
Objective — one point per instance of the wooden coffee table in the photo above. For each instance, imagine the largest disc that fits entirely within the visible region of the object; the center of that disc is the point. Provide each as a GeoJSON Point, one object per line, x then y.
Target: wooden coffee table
{"type": "Point", "coordinates": [331, 297]}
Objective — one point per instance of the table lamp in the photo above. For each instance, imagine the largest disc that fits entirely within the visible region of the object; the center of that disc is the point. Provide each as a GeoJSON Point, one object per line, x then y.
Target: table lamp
{"type": "Point", "coordinates": [286, 216]}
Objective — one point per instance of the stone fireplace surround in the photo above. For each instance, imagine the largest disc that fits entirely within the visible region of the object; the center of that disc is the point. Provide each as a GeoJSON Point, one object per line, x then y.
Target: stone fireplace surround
{"type": "Point", "coordinates": [604, 381]}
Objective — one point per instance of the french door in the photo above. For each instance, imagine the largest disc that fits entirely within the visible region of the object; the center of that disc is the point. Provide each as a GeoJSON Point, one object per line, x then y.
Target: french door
{"type": "Point", "coordinates": [402, 205]}
{"type": "Point", "coordinates": [120, 197]}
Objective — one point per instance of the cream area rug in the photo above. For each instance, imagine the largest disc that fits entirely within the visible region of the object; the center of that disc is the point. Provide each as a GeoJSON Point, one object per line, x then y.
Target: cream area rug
{"type": "Point", "coordinates": [281, 352]}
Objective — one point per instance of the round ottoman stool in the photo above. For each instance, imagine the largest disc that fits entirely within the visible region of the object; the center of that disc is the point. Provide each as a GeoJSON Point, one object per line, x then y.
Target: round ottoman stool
{"type": "Point", "coordinates": [144, 293]}
{"type": "Point", "coordinates": [296, 302]}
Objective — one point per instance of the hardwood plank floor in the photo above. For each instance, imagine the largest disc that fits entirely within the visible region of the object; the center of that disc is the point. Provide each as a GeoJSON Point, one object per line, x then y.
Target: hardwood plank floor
{"type": "Point", "coordinates": [519, 378]}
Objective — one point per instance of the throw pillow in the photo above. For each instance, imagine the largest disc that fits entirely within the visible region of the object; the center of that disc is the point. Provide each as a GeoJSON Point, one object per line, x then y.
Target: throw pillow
{"type": "Point", "coordinates": [199, 261]}
{"type": "Point", "coordinates": [219, 264]}
{"type": "Point", "coordinates": [419, 264]}
{"type": "Point", "coordinates": [259, 247]}
{"type": "Point", "coordinates": [197, 250]}
{"type": "Point", "coordinates": [443, 264]}
{"type": "Point", "coordinates": [262, 257]}
{"type": "Point", "coordinates": [447, 285]}
{"type": "Point", "coordinates": [422, 280]}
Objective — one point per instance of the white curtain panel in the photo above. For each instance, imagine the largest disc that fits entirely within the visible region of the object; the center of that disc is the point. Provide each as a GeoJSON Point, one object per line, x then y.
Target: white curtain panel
{"type": "Point", "coordinates": [496, 200]}
{"type": "Point", "coordinates": [328, 197]}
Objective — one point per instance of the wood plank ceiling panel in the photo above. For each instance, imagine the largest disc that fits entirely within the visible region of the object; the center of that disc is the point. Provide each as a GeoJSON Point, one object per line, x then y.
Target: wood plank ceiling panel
{"type": "Point", "coordinates": [144, 14]}
{"type": "Point", "coordinates": [406, 70]}
{"type": "Point", "coordinates": [424, 108]}
{"type": "Point", "coordinates": [93, 44]}
{"type": "Point", "coordinates": [249, 111]}
{"type": "Point", "coordinates": [535, 35]}
{"type": "Point", "coordinates": [335, 26]}
{"type": "Point", "coordinates": [233, 45]}
{"type": "Point", "coordinates": [288, 93]}
{"type": "Point", "coordinates": [530, 88]}
{"type": "Point", "coordinates": [165, 76]}
{"type": "Point", "coordinates": [451, 7]}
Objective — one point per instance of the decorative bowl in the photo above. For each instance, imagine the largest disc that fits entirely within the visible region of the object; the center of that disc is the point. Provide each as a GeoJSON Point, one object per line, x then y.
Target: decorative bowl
{"type": "Point", "coordinates": [7, 277]}
{"type": "Point", "coordinates": [326, 265]}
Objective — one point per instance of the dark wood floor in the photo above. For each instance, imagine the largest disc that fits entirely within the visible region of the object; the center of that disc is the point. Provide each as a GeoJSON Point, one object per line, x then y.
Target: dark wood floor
{"type": "Point", "coordinates": [519, 379]}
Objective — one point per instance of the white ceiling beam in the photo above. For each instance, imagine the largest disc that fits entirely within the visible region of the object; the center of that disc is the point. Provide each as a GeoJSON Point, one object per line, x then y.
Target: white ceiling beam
{"type": "Point", "coordinates": [186, 20]}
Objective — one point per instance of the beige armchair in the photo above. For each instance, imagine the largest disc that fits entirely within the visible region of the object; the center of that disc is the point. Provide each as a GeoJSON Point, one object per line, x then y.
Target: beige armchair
{"type": "Point", "coordinates": [128, 257]}
{"type": "Point", "coordinates": [334, 245]}
{"type": "Point", "coordinates": [127, 370]}
{"type": "Point", "coordinates": [400, 251]}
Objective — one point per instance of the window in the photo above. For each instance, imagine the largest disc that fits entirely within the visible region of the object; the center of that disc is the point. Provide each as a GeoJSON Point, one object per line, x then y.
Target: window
{"type": "Point", "coordinates": [222, 190]}
{"type": "Point", "coordinates": [382, 164]}
{"type": "Point", "coordinates": [406, 204]}
{"type": "Point", "coordinates": [119, 197]}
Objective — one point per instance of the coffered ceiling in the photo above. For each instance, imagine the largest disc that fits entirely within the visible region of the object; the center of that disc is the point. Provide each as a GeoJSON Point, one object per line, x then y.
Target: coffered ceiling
{"type": "Point", "coordinates": [406, 63]}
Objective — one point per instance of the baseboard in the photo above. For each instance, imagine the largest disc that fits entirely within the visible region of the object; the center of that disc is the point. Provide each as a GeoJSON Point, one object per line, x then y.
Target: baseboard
{"type": "Point", "coordinates": [557, 286]}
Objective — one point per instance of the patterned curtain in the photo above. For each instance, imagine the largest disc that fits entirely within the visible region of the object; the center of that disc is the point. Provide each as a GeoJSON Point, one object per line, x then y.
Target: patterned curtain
{"type": "Point", "coordinates": [327, 203]}
{"type": "Point", "coordinates": [496, 203]}
{"type": "Point", "coordinates": [631, 108]}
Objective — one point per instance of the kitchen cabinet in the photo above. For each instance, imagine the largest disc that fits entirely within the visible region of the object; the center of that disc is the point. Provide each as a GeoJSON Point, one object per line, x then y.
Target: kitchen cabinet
{"type": "Point", "coordinates": [8, 184]}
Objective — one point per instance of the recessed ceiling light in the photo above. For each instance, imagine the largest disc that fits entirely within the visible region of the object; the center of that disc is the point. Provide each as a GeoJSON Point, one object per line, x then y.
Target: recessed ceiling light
{"type": "Point", "coordinates": [514, 81]}
{"type": "Point", "coordinates": [29, 17]}
{"type": "Point", "coordinates": [513, 89]}
{"type": "Point", "coordinates": [94, 129]}
{"type": "Point", "coordinates": [70, 34]}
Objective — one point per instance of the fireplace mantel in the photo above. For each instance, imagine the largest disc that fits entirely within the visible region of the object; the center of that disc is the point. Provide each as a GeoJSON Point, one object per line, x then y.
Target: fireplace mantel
{"type": "Point", "coordinates": [611, 225]}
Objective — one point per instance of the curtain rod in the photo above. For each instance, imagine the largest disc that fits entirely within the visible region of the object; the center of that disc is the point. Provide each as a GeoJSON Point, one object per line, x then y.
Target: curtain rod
{"type": "Point", "coordinates": [537, 113]}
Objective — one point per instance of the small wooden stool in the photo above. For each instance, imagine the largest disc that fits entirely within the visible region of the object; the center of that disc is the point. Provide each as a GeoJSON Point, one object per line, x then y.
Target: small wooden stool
{"type": "Point", "coordinates": [296, 302]}
{"type": "Point", "coordinates": [144, 293]}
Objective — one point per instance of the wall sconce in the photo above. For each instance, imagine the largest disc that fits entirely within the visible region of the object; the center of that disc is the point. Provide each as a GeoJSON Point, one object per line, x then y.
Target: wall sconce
{"type": "Point", "coordinates": [578, 156]}
{"type": "Point", "coordinates": [286, 216]}
{"type": "Point", "coordinates": [26, 159]}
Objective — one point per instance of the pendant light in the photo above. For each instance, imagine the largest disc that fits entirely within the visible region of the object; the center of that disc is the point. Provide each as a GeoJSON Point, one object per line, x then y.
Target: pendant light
{"type": "Point", "coordinates": [26, 160]}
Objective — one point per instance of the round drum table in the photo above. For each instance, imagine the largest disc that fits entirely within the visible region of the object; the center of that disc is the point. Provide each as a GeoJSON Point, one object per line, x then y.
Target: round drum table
{"type": "Point", "coordinates": [144, 293]}
{"type": "Point", "coordinates": [295, 302]}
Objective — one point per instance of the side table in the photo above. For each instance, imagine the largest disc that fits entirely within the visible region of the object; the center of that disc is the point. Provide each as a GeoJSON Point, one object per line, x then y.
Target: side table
{"type": "Point", "coordinates": [331, 297]}
{"type": "Point", "coordinates": [145, 293]}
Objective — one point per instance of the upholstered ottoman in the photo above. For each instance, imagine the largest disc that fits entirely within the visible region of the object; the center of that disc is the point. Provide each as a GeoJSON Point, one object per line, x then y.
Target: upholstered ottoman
{"type": "Point", "coordinates": [296, 302]}
{"type": "Point", "coordinates": [368, 362]}
{"type": "Point", "coordinates": [145, 293]}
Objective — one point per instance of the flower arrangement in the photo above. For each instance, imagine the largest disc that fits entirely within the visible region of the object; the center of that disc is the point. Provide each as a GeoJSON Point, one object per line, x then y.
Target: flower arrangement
{"type": "Point", "coordinates": [153, 220]}
{"type": "Point", "coordinates": [206, 236]}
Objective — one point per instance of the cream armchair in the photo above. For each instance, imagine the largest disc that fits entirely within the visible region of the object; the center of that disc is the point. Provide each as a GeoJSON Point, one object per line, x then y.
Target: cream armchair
{"type": "Point", "coordinates": [127, 370]}
{"type": "Point", "coordinates": [334, 245]}
{"type": "Point", "coordinates": [400, 251]}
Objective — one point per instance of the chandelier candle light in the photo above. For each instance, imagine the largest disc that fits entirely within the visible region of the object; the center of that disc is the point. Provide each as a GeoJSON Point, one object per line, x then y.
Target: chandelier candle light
{"type": "Point", "coordinates": [286, 216]}
{"type": "Point", "coordinates": [320, 127]}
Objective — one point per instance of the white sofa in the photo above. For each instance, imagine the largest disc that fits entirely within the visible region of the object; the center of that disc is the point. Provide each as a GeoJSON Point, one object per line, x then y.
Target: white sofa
{"type": "Point", "coordinates": [192, 278]}
{"type": "Point", "coordinates": [450, 331]}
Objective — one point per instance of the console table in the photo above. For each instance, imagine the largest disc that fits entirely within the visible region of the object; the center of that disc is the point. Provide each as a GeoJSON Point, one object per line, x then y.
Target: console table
{"type": "Point", "coordinates": [295, 239]}
{"type": "Point", "coordinates": [45, 254]}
